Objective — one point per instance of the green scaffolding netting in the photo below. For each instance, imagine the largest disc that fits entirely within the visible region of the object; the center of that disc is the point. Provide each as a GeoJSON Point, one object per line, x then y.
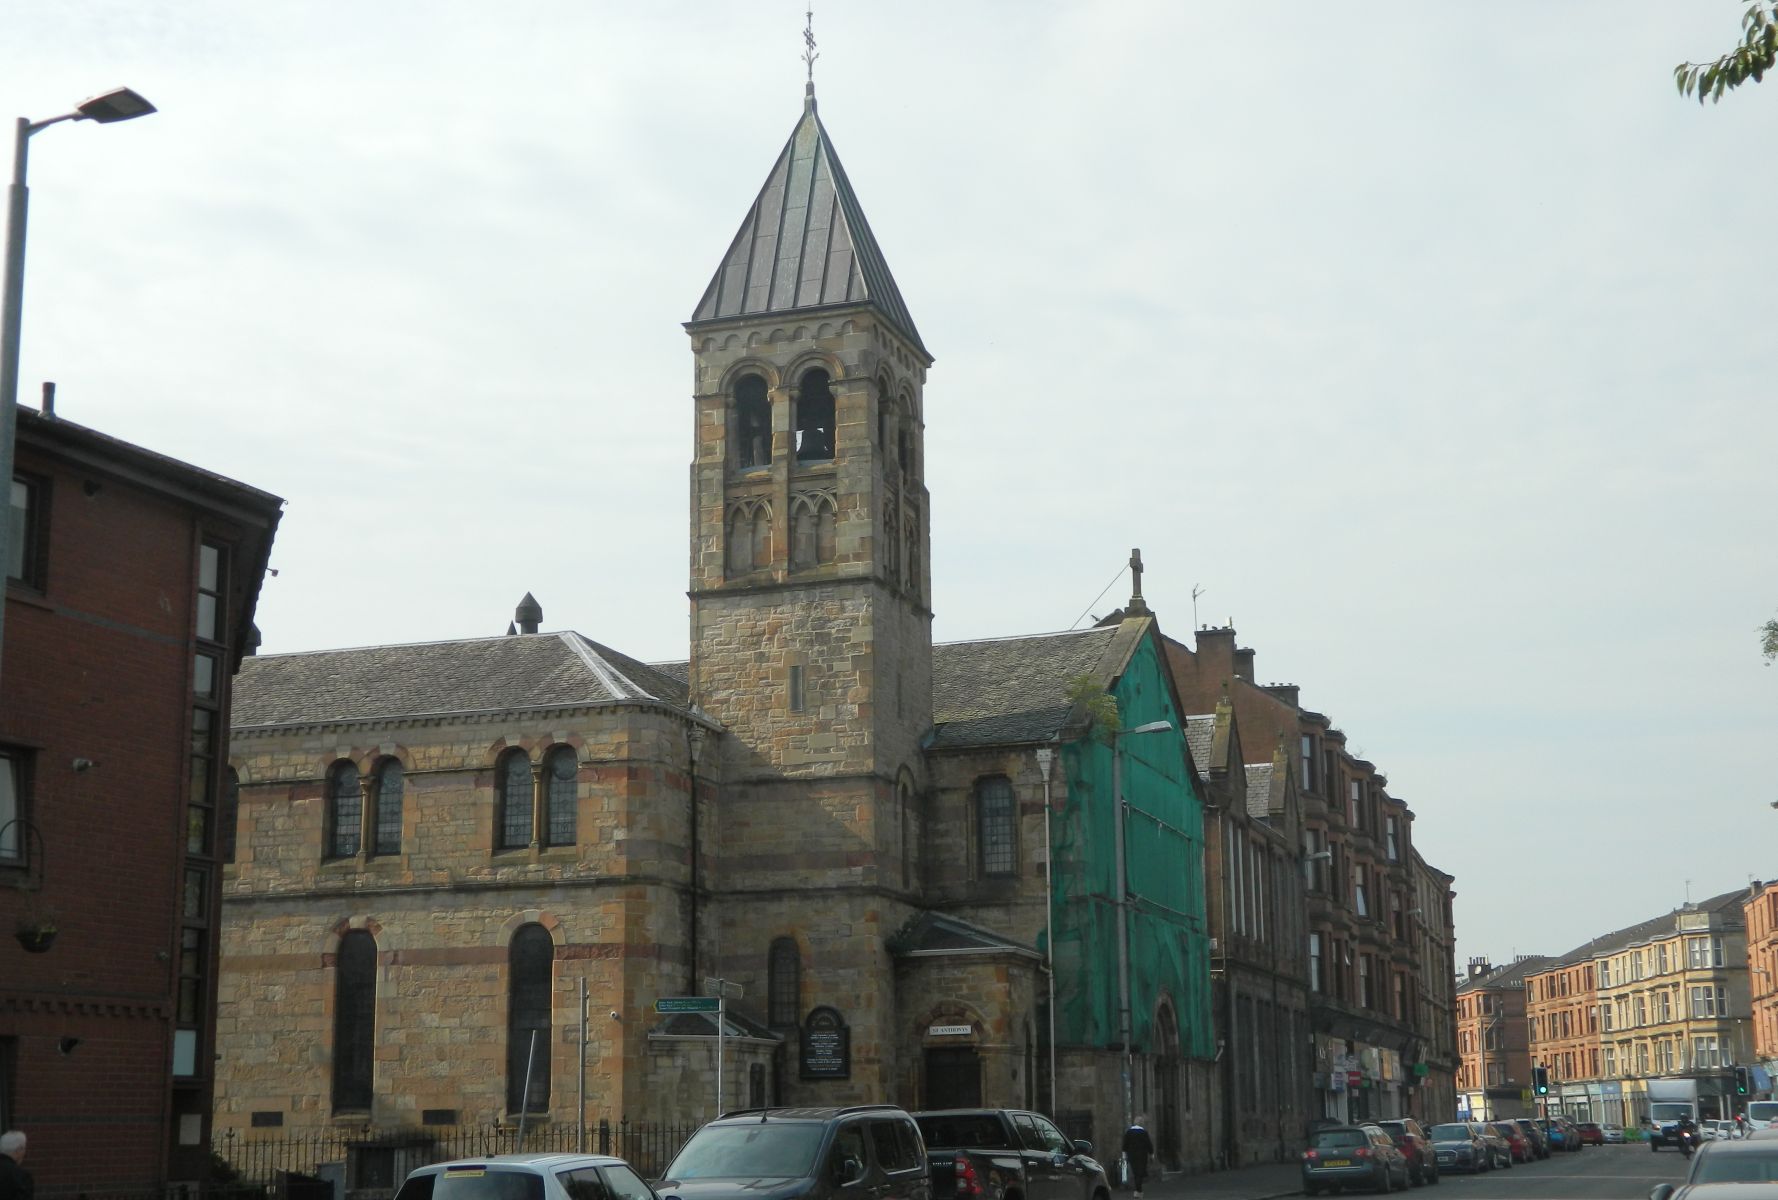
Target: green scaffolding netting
{"type": "Point", "coordinates": [1164, 870]}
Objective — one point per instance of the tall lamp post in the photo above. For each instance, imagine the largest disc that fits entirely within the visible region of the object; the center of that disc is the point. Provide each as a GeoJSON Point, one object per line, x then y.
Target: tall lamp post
{"type": "Point", "coordinates": [119, 104]}
{"type": "Point", "coordinates": [1123, 908]}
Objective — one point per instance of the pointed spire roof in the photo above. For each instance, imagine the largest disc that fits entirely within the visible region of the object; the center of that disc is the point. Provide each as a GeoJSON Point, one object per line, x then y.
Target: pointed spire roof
{"type": "Point", "coordinates": [805, 244]}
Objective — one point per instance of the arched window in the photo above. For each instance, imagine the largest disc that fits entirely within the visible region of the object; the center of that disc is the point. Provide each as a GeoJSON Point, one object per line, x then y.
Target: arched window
{"type": "Point", "coordinates": [814, 417]}
{"type": "Point", "coordinates": [740, 541]}
{"type": "Point", "coordinates": [562, 769]}
{"type": "Point", "coordinates": [345, 810]}
{"type": "Point", "coordinates": [812, 536]}
{"type": "Point", "coordinates": [530, 962]}
{"type": "Point", "coordinates": [888, 423]}
{"type": "Point", "coordinates": [354, 1021]}
{"type": "Point", "coordinates": [904, 793]}
{"type": "Point", "coordinates": [784, 970]}
{"type": "Point", "coordinates": [996, 826]}
{"type": "Point", "coordinates": [904, 439]}
{"type": "Point", "coordinates": [513, 781]}
{"type": "Point", "coordinates": [388, 824]}
{"type": "Point", "coordinates": [752, 437]}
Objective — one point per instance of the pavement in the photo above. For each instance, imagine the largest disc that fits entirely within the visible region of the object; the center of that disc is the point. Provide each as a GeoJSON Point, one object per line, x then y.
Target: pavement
{"type": "Point", "coordinates": [1262, 1181]}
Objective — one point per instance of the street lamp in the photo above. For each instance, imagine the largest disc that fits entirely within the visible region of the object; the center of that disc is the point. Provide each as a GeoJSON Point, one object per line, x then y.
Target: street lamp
{"type": "Point", "coordinates": [1123, 907]}
{"type": "Point", "coordinates": [119, 104]}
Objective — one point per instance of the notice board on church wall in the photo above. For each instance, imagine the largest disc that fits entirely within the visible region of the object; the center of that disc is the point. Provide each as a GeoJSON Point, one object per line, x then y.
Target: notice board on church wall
{"type": "Point", "coordinates": [826, 1046]}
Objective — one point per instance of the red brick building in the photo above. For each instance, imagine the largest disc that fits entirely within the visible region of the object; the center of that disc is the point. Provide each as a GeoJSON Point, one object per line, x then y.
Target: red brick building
{"type": "Point", "coordinates": [1378, 917]}
{"type": "Point", "coordinates": [129, 604]}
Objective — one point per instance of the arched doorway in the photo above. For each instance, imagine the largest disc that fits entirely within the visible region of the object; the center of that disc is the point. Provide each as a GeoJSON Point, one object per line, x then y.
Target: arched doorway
{"type": "Point", "coordinates": [1166, 1123]}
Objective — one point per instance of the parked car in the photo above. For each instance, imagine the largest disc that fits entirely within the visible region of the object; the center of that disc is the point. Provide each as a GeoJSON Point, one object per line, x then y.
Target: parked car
{"type": "Point", "coordinates": [1714, 1130]}
{"type": "Point", "coordinates": [1024, 1150]}
{"type": "Point", "coordinates": [1540, 1141]}
{"type": "Point", "coordinates": [1459, 1147]}
{"type": "Point", "coordinates": [1591, 1133]}
{"type": "Point", "coordinates": [1518, 1146]}
{"type": "Point", "coordinates": [1410, 1138]}
{"type": "Point", "coordinates": [1352, 1156]}
{"type": "Point", "coordinates": [1564, 1134]}
{"type": "Point", "coordinates": [1614, 1134]}
{"type": "Point", "coordinates": [872, 1150]}
{"type": "Point", "coordinates": [1500, 1153]}
{"type": "Point", "coordinates": [527, 1177]}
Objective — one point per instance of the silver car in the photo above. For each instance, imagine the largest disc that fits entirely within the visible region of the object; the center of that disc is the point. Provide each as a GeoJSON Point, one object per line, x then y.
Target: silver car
{"type": "Point", "coordinates": [527, 1177]}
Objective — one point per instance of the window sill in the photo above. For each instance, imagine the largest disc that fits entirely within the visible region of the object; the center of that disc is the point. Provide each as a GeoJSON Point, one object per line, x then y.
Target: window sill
{"type": "Point", "coordinates": [25, 593]}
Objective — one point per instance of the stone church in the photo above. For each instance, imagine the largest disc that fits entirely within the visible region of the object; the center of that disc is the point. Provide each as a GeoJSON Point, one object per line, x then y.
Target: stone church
{"type": "Point", "coordinates": [467, 872]}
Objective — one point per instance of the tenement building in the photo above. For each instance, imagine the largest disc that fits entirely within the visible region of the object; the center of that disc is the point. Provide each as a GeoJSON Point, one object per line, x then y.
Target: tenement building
{"type": "Point", "coordinates": [1671, 995]}
{"type": "Point", "coordinates": [1378, 923]}
{"type": "Point", "coordinates": [1492, 1042]}
{"type": "Point", "coordinates": [901, 864]}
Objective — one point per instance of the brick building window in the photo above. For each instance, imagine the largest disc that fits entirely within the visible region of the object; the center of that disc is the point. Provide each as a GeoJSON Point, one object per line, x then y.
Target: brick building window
{"type": "Point", "coordinates": [513, 780]}
{"type": "Point", "coordinates": [996, 826]}
{"type": "Point", "coordinates": [1391, 843]}
{"type": "Point", "coordinates": [783, 984]}
{"type": "Point", "coordinates": [530, 970]}
{"type": "Point", "coordinates": [15, 776]}
{"type": "Point", "coordinates": [562, 770]}
{"type": "Point", "coordinates": [28, 530]}
{"type": "Point", "coordinates": [345, 810]}
{"type": "Point", "coordinates": [1315, 980]}
{"type": "Point", "coordinates": [388, 822]}
{"type": "Point", "coordinates": [354, 1021]}
{"type": "Point", "coordinates": [1308, 761]}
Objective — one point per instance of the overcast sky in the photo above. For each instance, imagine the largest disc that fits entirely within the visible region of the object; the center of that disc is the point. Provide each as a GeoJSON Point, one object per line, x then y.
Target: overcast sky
{"type": "Point", "coordinates": [1432, 341]}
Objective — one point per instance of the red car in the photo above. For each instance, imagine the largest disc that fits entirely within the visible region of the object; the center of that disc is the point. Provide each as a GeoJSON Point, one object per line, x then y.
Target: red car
{"type": "Point", "coordinates": [1592, 1133]}
{"type": "Point", "coordinates": [1516, 1139]}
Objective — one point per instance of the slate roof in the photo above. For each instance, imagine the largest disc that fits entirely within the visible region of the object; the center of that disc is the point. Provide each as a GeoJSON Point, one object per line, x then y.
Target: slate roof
{"type": "Point", "coordinates": [1010, 690]}
{"type": "Point", "coordinates": [1642, 931]}
{"type": "Point", "coordinates": [932, 931]}
{"type": "Point", "coordinates": [431, 679]}
{"type": "Point", "coordinates": [735, 1024]}
{"type": "Point", "coordinates": [1259, 789]}
{"type": "Point", "coordinates": [805, 243]}
{"type": "Point", "coordinates": [1511, 975]}
{"type": "Point", "coordinates": [1200, 733]}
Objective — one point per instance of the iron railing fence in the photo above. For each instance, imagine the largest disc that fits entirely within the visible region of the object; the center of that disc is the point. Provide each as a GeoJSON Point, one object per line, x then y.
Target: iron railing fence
{"type": "Point", "coordinates": [381, 1159]}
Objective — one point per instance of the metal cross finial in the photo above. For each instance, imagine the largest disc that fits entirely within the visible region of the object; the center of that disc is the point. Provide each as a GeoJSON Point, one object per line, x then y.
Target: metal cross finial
{"type": "Point", "coordinates": [809, 55]}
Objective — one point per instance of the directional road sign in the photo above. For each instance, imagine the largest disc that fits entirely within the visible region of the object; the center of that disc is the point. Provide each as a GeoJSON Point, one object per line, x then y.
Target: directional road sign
{"type": "Point", "coordinates": [688, 1004]}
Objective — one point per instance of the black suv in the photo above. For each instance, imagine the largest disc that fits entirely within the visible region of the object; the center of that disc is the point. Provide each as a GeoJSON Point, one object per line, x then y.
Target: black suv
{"type": "Point", "coordinates": [868, 1152]}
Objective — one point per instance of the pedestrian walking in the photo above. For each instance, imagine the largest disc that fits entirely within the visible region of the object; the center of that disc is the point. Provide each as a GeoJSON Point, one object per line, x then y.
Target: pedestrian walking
{"type": "Point", "coordinates": [1138, 1149]}
{"type": "Point", "coordinates": [15, 1181]}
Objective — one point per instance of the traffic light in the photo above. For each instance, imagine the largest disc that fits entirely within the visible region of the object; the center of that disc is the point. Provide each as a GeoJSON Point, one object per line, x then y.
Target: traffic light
{"type": "Point", "coordinates": [1540, 1080]}
{"type": "Point", "coordinates": [1740, 1081]}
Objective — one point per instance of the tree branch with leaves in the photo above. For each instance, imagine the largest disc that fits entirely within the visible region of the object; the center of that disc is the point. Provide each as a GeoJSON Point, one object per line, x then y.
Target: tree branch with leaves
{"type": "Point", "coordinates": [1751, 59]}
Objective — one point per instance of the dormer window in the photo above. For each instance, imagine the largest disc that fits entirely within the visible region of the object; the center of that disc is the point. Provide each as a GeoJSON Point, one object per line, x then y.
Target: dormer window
{"type": "Point", "coordinates": [814, 418]}
{"type": "Point", "coordinates": [752, 435]}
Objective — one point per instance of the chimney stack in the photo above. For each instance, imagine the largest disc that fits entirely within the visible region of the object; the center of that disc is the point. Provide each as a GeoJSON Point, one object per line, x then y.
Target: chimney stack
{"type": "Point", "coordinates": [1216, 649]}
{"type": "Point", "coordinates": [1244, 663]}
{"type": "Point", "coordinates": [1286, 692]}
{"type": "Point", "coordinates": [49, 398]}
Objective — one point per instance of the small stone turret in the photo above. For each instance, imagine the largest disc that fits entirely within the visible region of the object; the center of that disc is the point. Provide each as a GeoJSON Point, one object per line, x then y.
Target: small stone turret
{"type": "Point", "coordinates": [528, 615]}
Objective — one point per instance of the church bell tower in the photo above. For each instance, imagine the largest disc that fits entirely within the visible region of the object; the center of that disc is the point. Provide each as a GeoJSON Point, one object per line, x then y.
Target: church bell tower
{"type": "Point", "coordinates": [810, 589]}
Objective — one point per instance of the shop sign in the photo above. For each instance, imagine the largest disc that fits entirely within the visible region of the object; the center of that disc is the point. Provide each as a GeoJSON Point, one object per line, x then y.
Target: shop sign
{"type": "Point", "coordinates": [949, 1030]}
